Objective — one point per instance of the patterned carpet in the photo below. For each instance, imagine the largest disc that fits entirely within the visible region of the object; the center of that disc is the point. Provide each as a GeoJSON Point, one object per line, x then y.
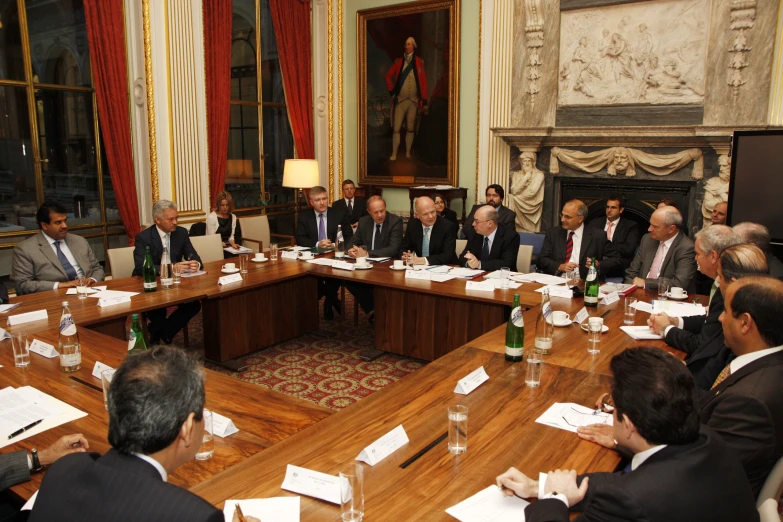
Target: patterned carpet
{"type": "Point", "coordinates": [326, 371]}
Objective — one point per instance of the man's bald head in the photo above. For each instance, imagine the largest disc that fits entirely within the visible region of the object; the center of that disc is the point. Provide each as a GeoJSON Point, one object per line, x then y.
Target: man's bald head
{"type": "Point", "coordinates": [425, 211]}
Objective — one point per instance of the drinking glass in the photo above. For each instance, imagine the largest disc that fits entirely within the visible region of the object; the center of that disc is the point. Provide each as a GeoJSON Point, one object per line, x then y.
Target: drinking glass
{"type": "Point", "coordinates": [594, 327]}
{"type": "Point", "coordinates": [575, 276]}
{"type": "Point", "coordinates": [569, 279]}
{"type": "Point", "coordinates": [505, 274]}
{"type": "Point", "coordinates": [458, 429]}
{"type": "Point", "coordinates": [409, 261]}
{"type": "Point", "coordinates": [273, 251]}
{"type": "Point", "coordinates": [21, 350]}
{"type": "Point", "coordinates": [176, 273]}
{"type": "Point", "coordinates": [630, 310]}
{"type": "Point", "coordinates": [663, 288]}
{"type": "Point", "coordinates": [352, 492]}
{"type": "Point", "coordinates": [243, 263]}
{"type": "Point", "coordinates": [82, 285]}
{"type": "Point", "coordinates": [207, 448]}
{"type": "Point", "coordinates": [533, 374]}
{"type": "Point", "coordinates": [106, 377]}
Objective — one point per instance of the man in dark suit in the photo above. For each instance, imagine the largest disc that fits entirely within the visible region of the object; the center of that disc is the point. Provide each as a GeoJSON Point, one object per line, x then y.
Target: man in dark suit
{"type": "Point", "coordinates": [494, 196]}
{"type": "Point", "coordinates": [679, 472]}
{"type": "Point", "coordinates": [494, 246]}
{"type": "Point", "coordinates": [698, 336]}
{"type": "Point", "coordinates": [759, 236]}
{"type": "Point", "coordinates": [352, 208]}
{"type": "Point", "coordinates": [156, 424]}
{"type": "Point", "coordinates": [319, 229]}
{"type": "Point", "coordinates": [664, 252]}
{"type": "Point", "coordinates": [15, 467]}
{"type": "Point", "coordinates": [429, 239]}
{"type": "Point", "coordinates": [572, 245]}
{"type": "Point", "coordinates": [166, 232]}
{"type": "Point", "coordinates": [378, 235]}
{"type": "Point", "coordinates": [623, 233]}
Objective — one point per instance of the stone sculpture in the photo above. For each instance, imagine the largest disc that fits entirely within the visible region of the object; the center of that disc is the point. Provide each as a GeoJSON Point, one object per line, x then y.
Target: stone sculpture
{"type": "Point", "coordinates": [527, 194]}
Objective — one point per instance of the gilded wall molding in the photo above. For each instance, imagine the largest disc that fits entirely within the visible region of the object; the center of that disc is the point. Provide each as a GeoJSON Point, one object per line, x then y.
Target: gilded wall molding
{"type": "Point", "coordinates": [330, 92]}
{"type": "Point", "coordinates": [340, 98]}
{"type": "Point", "coordinates": [478, 100]}
{"type": "Point", "coordinates": [145, 6]}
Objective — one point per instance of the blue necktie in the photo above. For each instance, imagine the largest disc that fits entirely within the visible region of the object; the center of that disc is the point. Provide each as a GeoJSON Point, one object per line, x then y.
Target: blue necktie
{"type": "Point", "coordinates": [69, 270]}
{"type": "Point", "coordinates": [425, 243]}
{"type": "Point", "coordinates": [485, 249]}
{"type": "Point", "coordinates": [321, 228]}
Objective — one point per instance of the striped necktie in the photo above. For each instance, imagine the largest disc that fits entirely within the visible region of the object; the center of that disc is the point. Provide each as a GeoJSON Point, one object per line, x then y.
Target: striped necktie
{"type": "Point", "coordinates": [569, 246]}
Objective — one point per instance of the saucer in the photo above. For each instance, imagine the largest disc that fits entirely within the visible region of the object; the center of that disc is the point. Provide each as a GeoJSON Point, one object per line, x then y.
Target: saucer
{"type": "Point", "coordinates": [226, 271]}
{"type": "Point", "coordinates": [356, 267]}
{"type": "Point", "coordinates": [604, 328]}
{"type": "Point", "coordinates": [564, 323]}
{"type": "Point", "coordinates": [403, 268]}
{"type": "Point", "coordinates": [676, 298]}
{"type": "Point", "coordinates": [260, 260]}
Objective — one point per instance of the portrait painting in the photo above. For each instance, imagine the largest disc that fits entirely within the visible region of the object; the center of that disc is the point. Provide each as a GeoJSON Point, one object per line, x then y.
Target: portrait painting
{"type": "Point", "coordinates": [408, 89]}
{"type": "Point", "coordinates": [646, 53]}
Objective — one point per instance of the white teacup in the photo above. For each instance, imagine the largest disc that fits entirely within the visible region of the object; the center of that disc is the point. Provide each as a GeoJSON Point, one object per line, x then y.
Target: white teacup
{"type": "Point", "coordinates": [561, 318]}
{"type": "Point", "coordinates": [260, 256]}
{"type": "Point", "coordinates": [229, 266]}
{"type": "Point", "coordinates": [361, 261]}
{"type": "Point", "coordinates": [306, 255]}
{"type": "Point", "coordinates": [677, 292]}
{"type": "Point", "coordinates": [398, 264]}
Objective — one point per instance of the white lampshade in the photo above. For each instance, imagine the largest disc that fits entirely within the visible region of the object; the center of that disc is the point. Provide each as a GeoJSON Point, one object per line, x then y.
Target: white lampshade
{"type": "Point", "coordinates": [301, 173]}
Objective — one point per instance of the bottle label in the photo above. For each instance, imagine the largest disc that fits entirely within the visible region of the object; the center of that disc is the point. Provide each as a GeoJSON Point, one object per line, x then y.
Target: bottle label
{"type": "Point", "coordinates": [166, 281]}
{"type": "Point", "coordinates": [67, 326]}
{"type": "Point", "coordinates": [70, 359]}
{"type": "Point", "coordinates": [514, 352]}
{"type": "Point", "coordinates": [591, 299]}
{"type": "Point", "coordinates": [547, 310]}
{"type": "Point", "coordinates": [592, 275]}
{"type": "Point", "coordinates": [131, 340]}
{"type": "Point", "coordinates": [516, 317]}
{"type": "Point", "coordinates": [153, 284]}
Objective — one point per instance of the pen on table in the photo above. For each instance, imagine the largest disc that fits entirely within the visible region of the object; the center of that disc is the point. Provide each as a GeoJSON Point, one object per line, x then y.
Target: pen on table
{"type": "Point", "coordinates": [22, 430]}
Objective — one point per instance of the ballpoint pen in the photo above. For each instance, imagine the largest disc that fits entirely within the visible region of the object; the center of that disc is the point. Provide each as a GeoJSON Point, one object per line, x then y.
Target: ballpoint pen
{"type": "Point", "coordinates": [22, 430]}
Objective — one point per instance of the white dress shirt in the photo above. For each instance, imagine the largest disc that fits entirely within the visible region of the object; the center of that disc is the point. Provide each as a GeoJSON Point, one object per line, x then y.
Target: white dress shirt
{"type": "Point", "coordinates": [577, 239]}
{"type": "Point", "coordinates": [69, 256]}
{"type": "Point", "coordinates": [680, 322]}
{"type": "Point", "coordinates": [748, 358]}
{"type": "Point", "coordinates": [642, 456]}
{"type": "Point", "coordinates": [157, 465]}
{"type": "Point", "coordinates": [165, 239]}
{"type": "Point", "coordinates": [666, 246]}
{"type": "Point", "coordinates": [614, 227]}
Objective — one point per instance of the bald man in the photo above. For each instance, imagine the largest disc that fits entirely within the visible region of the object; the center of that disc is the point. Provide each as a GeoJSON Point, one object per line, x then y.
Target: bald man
{"type": "Point", "coordinates": [719, 211]}
{"type": "Point", "coordinates": [429, 239]}
{"type": "Point", "coordinates": [493, 246]}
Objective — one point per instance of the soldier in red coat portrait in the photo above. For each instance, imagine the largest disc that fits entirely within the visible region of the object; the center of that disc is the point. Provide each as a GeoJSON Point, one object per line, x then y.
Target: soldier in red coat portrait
{"type": "Point", "coordinates": [407, 84]}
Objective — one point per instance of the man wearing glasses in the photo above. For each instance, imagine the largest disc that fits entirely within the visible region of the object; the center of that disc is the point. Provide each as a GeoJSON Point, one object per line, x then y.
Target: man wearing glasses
{"type": "Point", "coordinates": [493, 246]}
{"type": "Point", "coordinates": [623, 233]}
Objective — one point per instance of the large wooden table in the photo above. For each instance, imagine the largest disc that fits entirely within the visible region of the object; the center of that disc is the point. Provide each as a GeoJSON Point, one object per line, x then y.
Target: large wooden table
{"type": "Point", "coordinates": [264, 417]}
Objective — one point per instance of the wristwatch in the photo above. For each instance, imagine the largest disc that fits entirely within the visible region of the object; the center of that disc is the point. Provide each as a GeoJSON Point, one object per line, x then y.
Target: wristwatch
{"type": "Point", "coordinates": [36, 463]}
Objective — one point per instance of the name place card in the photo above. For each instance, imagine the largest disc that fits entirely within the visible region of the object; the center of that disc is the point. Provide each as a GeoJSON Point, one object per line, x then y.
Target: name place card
{"type": "Point", "coordinates": [417, 274]}
{"type": "Point", "coordinates": [343, 265]}
{"type": "Point", "coordinates": [111, 301]}
{"type": "Point", "coordinates": [223, 426]}
{"type": "Point", "coordinates": [28, 317]}
{"type": "Point", "coordinates": [42, 348]}
{"type": "Point", "coordinates": [581, 316]}
{"type": "Point", "coordinates": [472, 381]}
{"type": "Point", "coordinates": [481, 286]}
{"type": "Point", "coordinates": [233, 278]}
{"type": "Point", "coordinates": [312, 484]}
{"type": "Point", "coordinates": [611, 298]}
{"type": "Point", "coordinates": [100, 368]}
{"type": "Point", "coordinates": [289, 255]}
{"type": "Point", "coordinates": [383, 447]}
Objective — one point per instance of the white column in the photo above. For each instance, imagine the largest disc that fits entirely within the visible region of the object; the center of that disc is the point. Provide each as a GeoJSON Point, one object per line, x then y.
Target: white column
{"type": "Point", "coordinates": [323, 85]}
{"type": "Point", "coordinates": [485, 71]}
{"type": "Point", "coordinates": [776, 89]}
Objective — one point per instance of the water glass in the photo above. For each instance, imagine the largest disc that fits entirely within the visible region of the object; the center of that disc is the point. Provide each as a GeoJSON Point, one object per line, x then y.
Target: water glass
{"type": "Point", "coordinates": [409, 261]}
{"type": "Point", "coordinates": [533, 374]}
{"type": "Point", "coordinates": [21, 350]}
{"type": "Point", "coordinates": [569, 279]}
{"type": "Point", "coordinates": [458, 429]}
{"type": "Point", "coordinates": [505, 275]}
{"type": "Point", "coordinates": [207, 448]}
{"type": "Point", "coordinates": [594, 327]}
{"type": "Point", "coordinates": [176, 273]}
{"type": "Point", "coordinates": [243, 263]}
{"type": "Point", "coordinates": [352, 492]}
{"type": "Point", "coordinates": [575, 277]}
{"type": "Point", "coordinates": [82, 286]}
{"type": "Point", "coordinates": [106, 377]}
{"type": "Point", "coordinates": [663, 288]}
{"type": "Point", "coordinates": [630, 310]}
{"type": "Point", "coordinates": [273, 251]}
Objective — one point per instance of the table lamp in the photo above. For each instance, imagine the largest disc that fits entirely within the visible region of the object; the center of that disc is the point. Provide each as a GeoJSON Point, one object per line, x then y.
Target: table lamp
{"type": "Point", "coordinates": [300, 174]}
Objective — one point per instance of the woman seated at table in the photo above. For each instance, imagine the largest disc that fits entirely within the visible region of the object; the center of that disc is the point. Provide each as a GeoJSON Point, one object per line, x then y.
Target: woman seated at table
{"type": "Point", "coordinates": [442, 210]}
{"type": "Point", "coordinates": [223, 221]}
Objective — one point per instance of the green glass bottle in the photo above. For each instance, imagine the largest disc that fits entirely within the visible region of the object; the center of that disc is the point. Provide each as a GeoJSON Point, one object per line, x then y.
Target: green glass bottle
{"type": "Point", "coordinates": [591, 285]}
{"type": "Point", "coordinates": [150, 277]}
{"type": "Point", "coordinates": [515, 333]}
{"type": "Point", "coordinates": [136, 341]}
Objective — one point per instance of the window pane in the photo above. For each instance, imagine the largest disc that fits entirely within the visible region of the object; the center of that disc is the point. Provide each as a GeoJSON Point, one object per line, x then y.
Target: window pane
{"type": "Point", "coordinates": [11, 62]}
{"type": "Point", "coordinates": [58, 42]}
{"type": "Point", "coordinates": [243, 172]}
{"type": "Point", "coordinates": [17, 176]}
{"type": "Point", "coordinates": [67, 140]}
{"type": "Point", "coordinates": [243, 52]}
{"type": "Point", "coordinates": [278, 146]}
{"type": "Point", "coordinates": [110, 202]}
{"type": "Point", "coordinates": [271, 79]}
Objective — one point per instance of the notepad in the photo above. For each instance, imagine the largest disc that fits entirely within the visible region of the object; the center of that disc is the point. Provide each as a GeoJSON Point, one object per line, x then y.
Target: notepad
{"type": "Point", "coordinates": [32, 401]}
{"type": "Point", "coordinates": [569, 416]}
{"type": "Point", "coordinates": [489, 504]}
{"type": "Point", "coordinates": [275, 509]}
{"type": "Point", "coordinates": [640, 333]}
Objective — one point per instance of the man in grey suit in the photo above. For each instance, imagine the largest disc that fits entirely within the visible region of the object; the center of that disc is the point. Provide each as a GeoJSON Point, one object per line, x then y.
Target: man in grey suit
{"type": "Point", "coordinates": [15, 467]}
{"type": "Point", "coordinates": [664, 252]}
{"type": "Point", "coordinates": [53, 258]}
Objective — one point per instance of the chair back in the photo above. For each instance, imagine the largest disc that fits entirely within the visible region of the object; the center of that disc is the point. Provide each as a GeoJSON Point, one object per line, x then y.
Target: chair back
{"type": "Point", "coordinates": [524, 256]}
{"type": "Point", "coordinates": [121, 262]}
{"type": "Point", "coordinates": [198, 229]}
{"type": "Point", "coordinates": [461, 244]}
{"type": "Point", "coordinates": [255, 232]}
{"type": "Point", "coordinates": [767, 503]}
{"type": "Point", "coordinates": [529, 238]}
{"type": "Point", "coordinates": [209, 248]}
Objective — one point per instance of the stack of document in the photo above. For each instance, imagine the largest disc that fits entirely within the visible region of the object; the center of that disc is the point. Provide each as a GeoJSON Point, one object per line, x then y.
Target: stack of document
{"type": "Point", "coordinates": [378, 259]}
{"type": "Point", "coordinates": [671, 308]}
{"type": "Point", "coordinates": [640, 333]}
{"type": "Point", "coordinates": [489, 504]}
{"type": "Point", "coordinates": [496, 274]}
{"type": "Point", "coordinates": [569, 416]}
{"type": "Point", "coordinates": [240, 250]}
{"type": "Point", "coordinates": [21, 407]}
{"type": "Point", "coordinates": [544, 279]}
{"type": "Point", "coordinates": [112, 294]}
{"type": "Point", "coordinates": [296, 248]}
{"type": "Point", "coordinates": [557, 291]}
{"type": "Point", "coordinates": [466, 273]}
{"type": "Point", "coordinates": [321, 261]}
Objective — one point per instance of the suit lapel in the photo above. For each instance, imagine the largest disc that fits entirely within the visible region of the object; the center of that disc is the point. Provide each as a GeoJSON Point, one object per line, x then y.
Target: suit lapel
{"type": "Point", "coordinates": [157, 244]}
{"type": "Point", "coordinates": [774, 359]}
{"type": "Point", "coordinates": [587, 235]}
{"type": "Point", "coordinates": [78, 255]}
{"type": "Point", "coordinates": [670, 252]}
{"type": "Point", "coordinates": [48, 251]}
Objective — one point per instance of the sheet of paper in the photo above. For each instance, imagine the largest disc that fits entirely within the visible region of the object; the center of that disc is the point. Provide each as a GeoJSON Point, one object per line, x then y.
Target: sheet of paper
{"type": "Point", "coordinates": [640, 333]}
{"type": "Point", "coordinates": [544, 279]}
{"type": "Point", "coordinates": [481, 286]}
{"type": "Point", "coordinates": [233, 278]}
{"type": "Point", "coordinates": [424, 275]}
{"type": "Point", "coordinates": [90, 290]}
{"type": "Point", "coordinates": [7, 307]}
{"type": "Point", "coordinates": [28, 317]}
{"type": "Point", "coordinates": [489, 504]}
{"type": "Point", "coordinates": [43, 349]}
{"type": "Point", "coordinates": [111, 301]}
{"type": "Point", "coordinates": [322, 261]}
{"type": "Point", "coordinates": [192, 274]}
{"type": "Point", "coordinates": [471, 381]}
{"type": "Point", "coordinates": [312, 484]}
{"type": "Point", "coordinates": [611, 298]}
{"type": "Point", "coordinates": [65, 413]}
{"type": "Point", "coordinates": [297, 248]}
{"type": "Point", "coordinates": [442, 278]}
{"type": "Point", "coordinates": [465, 272]}
{"type": "Point", "coordinates": [240, 250]}
{"type": "Point", "coordinates": [569, 416]}
{"type": "Point", "coordinates": [378, 259]}
{"type": "Point", "coordinates": [498, 283]}
{"type": "Point", "coordinates": [496, 274]}
{"type": "Point", "coordinates": [289, 254]}
{"type": "Point", "coordinates": [438, 269]}
{"type": "Point", "coordinates": [111, 294]}
{"type": "Point", "coordinates": [383, 447]}
{"type": "Point", "coordinates": [581, 316]}
{"type": "Point", "coordinates": [19, 409]}
{"type": "Point", "coordinates": [223, 426]}
{"type": "Point", "coordinates": [275, 509]}
{"type": "Point", "coordinates": [343, 265]}
{"type": "Point", "coordinates": [608, 288]}
{"type": "Point", "coordinates": [557, 291]}
{"type": "Point", "coordinates": [675, 309]}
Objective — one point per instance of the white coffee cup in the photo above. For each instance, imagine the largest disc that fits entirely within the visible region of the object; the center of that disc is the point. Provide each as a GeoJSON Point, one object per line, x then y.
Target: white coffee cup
{"type": "Point", "coordinates": [398, 264]}
{"type": "Point", "coordinates": [677, 292]}
{"type": "Point", "coordinates": [361, 261]}
{"type": "Point", "coordinates": [260, 256]}
{"type": "Point", "coordinates": [560, 318]}
{"type": "Point", "coordinates": [306, 255]}
{"type": "Point", "coordinates": [229, 266]}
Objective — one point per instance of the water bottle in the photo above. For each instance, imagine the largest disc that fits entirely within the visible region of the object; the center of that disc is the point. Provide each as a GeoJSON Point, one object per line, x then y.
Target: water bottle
{"type": "Point", "coordinates": [340, 251]}
{"type": "Point", "coordinates": [591, 286]}
{"type": "Point", "coordinates": [136, 341]}
{"type": "Point", "coordinates": [166, 275]}
{"type": "Point", "coordinates": [148, 269]}
{"type": "Point", "coordinates": [515, 333]}
{"type": "Point", "coordinates": [70, 351]}
{"type": "Point", "coordinates": [544, 327]}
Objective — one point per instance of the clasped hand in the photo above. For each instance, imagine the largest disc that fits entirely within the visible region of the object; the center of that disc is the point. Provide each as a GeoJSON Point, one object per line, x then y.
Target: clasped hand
{"type": "Point", "coordinates": [473, 262]}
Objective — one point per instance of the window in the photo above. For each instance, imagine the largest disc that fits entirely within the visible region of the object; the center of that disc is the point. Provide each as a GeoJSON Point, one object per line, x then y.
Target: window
{"type": "Point", "coordinates": [50, 142]}
{"type": "Point", "coordinates": [260, 137]}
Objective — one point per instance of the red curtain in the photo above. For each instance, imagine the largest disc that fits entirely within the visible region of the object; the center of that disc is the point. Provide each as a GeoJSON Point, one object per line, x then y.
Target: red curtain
{"type": "Point", "coordinates": [218, 17]}
{"type": "Point", "coordinates": [291, 20]}
{"type": "Point", "coordinates": [106, 39]}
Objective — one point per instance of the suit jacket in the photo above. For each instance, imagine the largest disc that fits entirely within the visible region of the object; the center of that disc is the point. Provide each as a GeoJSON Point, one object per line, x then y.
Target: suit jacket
{"type": "Point", "coordinates": [307, 227]}
{"type": "Point", "coordinates": [451, 216]}
{"type": "Point", "coordinates": [443, 241]}
{"type": "Point", "coordinates": [746, 410]}
{"type": "Point", "coordinates": [503, 253]}
{"type": "Point", "coordinates": [3, 294]}
{"type": "Point", "coordinates": [702, 339]}
{"type": "Point", "coordinates": [391, 236]}
{"type": "Point", "coordinates": [625, 239]}
{"type": "Point", "coordinates": [13, 469]}
{"type": "Point", "coordinates": [700, 481]}
{"type": "Point", "coordinates": [359, 209]}
{"type": "Point", "coordinates": [679, 264]}
{"type": "Point", "coordinates": [36, 267]}
{"type": "Point", "coordinates": [181, 248]}
{"type": "Point", "coordinates": [88, 487]}
{"type": "Point", "coordinates": [775, 267]}
{"type": "Point", "coordinates": [594, 244]}
{"type": "Point", "coordinates": [506, 216]}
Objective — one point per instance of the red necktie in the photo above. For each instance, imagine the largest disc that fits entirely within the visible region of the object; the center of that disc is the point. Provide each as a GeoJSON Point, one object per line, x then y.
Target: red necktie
{"type": "Point", "coordinates": [569, 246]}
